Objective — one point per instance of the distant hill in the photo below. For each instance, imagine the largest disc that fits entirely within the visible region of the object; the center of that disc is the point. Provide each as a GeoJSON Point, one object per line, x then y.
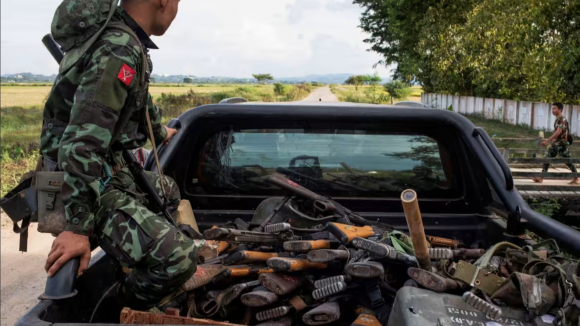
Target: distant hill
{"type": "Point", "coordinates": [326, 79]}
{"type": "Point", "coordinates": [176, 79]}
{"type": "Point", "coordinates": [27, 77]}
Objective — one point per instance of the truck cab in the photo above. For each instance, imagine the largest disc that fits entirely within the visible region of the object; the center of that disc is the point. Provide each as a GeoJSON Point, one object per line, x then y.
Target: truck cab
{"type": "Point", "coordinates": [363, 156]}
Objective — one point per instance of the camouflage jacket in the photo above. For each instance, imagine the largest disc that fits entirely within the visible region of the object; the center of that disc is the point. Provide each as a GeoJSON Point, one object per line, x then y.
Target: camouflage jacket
{"type": "Point", "coordinates": [87, 100]}
{"type": "Point", "coordinates": [561, 123]}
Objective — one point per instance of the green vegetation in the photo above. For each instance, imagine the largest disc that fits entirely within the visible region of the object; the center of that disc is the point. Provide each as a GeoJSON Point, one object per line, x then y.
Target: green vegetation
{"type": "Point", "coordinates": [174, 105]}
{"type": "Point", "coordinates": [356, 81]}
{"type": "Point", "coordinates": [546, 207]}
{"type": "Point", "coordinates": [498, 129]}
{"type": "Point", "coordinates": [263, 77]}
{"type": "Point", "coordinates": [512, 49]}
{"type": "Point", "coordinates": [15, 162]}
{"type": "Point", "coordinates": [280, 89]}
{"type": "Point", "coordinates": [372, 94]}
{"type": "Point", "coordinates": [398, 90]}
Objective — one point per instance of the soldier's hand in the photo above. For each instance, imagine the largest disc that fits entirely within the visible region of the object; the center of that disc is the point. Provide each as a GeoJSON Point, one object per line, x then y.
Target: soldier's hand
{"type": "Point", "coordinates": [544, 143]}
{"type": "Point", "coordinates": [170, 133]}
{"type": "Point", "coordinates": [66, 247]}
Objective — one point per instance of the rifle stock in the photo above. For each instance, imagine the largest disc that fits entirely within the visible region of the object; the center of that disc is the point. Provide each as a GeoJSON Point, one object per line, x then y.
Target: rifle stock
{"type": "Point", "coordinates": [237, 272]}
{"type": "Point", "coordinates": [293, 264]}
{"type": "Point", "coordinates": [346, 233]}
{"type": "Point", "coordinates": [306, 246]}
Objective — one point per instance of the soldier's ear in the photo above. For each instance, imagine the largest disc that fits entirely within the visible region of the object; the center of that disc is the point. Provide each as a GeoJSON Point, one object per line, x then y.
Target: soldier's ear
{"type": "Point", "coordinates": [163, 4]}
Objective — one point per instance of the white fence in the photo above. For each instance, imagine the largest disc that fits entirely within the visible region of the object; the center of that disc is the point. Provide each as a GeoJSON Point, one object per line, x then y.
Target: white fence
{"type": "Point", "coordinates": [535, 114]}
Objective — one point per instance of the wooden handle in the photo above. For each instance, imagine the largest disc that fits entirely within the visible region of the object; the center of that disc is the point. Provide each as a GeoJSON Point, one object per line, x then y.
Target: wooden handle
{"type": "Point", "coordinates": [416, 229]}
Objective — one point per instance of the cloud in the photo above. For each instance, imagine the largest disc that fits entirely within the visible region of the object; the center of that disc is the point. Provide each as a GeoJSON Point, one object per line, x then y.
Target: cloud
{"type": "Point", "coordinates": [298, 9]}
{"type": "Point", "coordinates": [286, 38]}
{"type": "Point", "coordinates": [340, 5]}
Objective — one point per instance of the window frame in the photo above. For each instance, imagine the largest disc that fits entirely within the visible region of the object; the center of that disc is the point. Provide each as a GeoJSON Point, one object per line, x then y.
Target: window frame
{"type": "Point", "coordinates": [236, 202]}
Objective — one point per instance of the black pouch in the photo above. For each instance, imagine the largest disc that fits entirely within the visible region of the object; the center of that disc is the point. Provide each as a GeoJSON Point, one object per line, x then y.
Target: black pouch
{"type": "Point", "coordinates": [20, 203]}
{"type": "Point", "coordinates": [20, 206]}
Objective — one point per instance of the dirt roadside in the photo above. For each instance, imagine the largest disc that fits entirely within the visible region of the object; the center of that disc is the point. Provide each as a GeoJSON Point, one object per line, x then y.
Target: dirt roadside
{"type": "Point", "coordinates": [22, 277]}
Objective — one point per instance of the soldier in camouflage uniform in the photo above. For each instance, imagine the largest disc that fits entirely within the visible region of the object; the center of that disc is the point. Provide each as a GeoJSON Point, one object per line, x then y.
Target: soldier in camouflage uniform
{"type": "Point", "coordinates": [95, 110]}
{"type": "Point", "coordinates": [559, 141]}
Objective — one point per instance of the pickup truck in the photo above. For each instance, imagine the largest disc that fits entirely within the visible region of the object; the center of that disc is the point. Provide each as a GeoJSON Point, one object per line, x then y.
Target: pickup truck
{"type": "Point", "coordinates": [362, 156]}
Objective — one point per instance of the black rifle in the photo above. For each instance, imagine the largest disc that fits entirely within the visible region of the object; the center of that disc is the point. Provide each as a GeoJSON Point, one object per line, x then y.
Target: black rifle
{"type": "Point", "coordinates": [324, 204]}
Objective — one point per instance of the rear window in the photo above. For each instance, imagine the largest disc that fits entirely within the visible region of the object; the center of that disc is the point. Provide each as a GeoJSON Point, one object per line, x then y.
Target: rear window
{"type": "Point", "coordinates": [331, 162]}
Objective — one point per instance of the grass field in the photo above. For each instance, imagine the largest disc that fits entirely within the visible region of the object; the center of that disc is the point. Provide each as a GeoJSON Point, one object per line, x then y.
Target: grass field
{"type": "Point", "coordinates": [24, 96]}
{"type": "Point", "coordinates": [27, 96]}
{"type": "Point", "coordinates": [21, 106]}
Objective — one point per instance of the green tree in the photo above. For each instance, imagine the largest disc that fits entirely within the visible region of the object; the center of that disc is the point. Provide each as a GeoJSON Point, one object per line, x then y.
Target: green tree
{"type": "Point", "coordinates": [395, 27]}
{"type": "Point", "coordinates": [442, 66]}
{"type": "Point", "coordinates": [398, 90]}
{"type": "Point", "coordinates": [356, 81]}
{"type": "Point", "coordinates": [263, 77]}
{"type": "Point", "coordinates": [188, 80]}
{"type": "Point", "coordinates": [373, 80]}
{"type": "Point", "coordinates": [513, 49]}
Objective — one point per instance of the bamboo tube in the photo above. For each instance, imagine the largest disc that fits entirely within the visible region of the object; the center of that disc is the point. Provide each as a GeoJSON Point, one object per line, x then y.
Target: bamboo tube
{"type": "Point", "coordinates": [416, 230]}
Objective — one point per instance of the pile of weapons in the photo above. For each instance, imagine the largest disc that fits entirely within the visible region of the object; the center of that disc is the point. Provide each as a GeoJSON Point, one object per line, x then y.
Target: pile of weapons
{"type": "Point", "coordinates": [349, 274]}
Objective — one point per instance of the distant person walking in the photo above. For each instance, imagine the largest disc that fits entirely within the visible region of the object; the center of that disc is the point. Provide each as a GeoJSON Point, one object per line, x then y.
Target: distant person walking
{"type": "Point", "coordinates": [561, 140]}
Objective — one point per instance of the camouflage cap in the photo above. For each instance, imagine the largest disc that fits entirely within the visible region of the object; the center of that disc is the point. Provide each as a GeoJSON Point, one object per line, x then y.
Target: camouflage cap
{"type": "Point", "coordinates": [77, 24]}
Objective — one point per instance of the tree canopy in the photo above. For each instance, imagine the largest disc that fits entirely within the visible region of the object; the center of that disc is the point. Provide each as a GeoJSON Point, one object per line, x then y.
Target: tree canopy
{"type": "Point", "coordinates": [513, 49]}
{"type": "Point", "coordinates": [263, 77]}
{"type": "Point", "coordinates": [359, 80]}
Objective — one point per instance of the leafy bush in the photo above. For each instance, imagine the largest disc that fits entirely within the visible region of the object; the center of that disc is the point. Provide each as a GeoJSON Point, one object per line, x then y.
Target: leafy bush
{"type": "Point", "coordinates": [546, 207]}
{"type": "Point", "coordinates": [398, 90]}
{"type": "Point", "coordinates": [298, 92]}
{"type": "Point", "coordinates": [280, 89]}
{"type": "Point", "coordinates": [354, 98]}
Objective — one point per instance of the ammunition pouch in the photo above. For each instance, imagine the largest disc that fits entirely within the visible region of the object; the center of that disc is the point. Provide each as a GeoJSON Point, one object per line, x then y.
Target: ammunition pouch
{"type": "Point", "coordinates": [51, 213]}
{"type": "Point", "coordinates": [36, 199]}
{"type": "Point", "coordinates": [477, 277]}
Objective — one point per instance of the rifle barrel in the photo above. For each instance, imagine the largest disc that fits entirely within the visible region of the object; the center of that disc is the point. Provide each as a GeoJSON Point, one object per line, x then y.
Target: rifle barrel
{"type": "Point", "coordinates": [53, 48]}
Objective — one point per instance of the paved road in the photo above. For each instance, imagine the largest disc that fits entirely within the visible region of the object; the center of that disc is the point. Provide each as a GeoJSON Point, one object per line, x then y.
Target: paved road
{"type": "Point", "coordinates": [322, 94]}
{"type": "Point", "coordinates": [22, 277]}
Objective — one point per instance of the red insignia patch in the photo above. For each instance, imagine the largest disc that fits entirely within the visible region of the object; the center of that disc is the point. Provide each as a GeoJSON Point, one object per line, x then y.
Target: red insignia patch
{"type": "Point", "coordinates": [126, 74]}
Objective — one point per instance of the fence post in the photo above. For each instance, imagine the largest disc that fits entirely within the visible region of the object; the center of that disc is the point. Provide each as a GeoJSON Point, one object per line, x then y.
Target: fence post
{"type": "Point", "coordinates": [505, 111]}
{"type": "Point", "coordinates": [533, 114]}
{"type": "Point", "coordinates": [517, 113]}
{"type": "Point", "coordinates": [506, 154]}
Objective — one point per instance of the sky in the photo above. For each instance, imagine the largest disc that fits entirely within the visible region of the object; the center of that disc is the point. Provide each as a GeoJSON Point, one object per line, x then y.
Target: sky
{"type": "Point", "coordinates": [234, 38]}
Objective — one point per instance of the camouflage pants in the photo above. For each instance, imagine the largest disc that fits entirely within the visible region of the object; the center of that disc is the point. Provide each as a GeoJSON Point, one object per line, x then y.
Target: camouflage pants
{"type": "Point", "coordinates": [564, 152]}
{"type": "Point", "coordinates": [162, 258]}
